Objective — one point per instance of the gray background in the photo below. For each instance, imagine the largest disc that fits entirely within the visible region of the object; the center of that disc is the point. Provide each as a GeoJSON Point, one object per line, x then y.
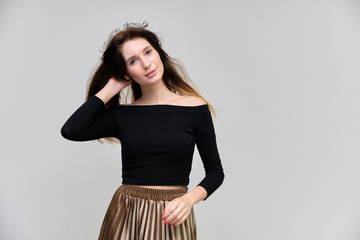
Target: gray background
{"type": "Point", "coordinates": [283, 76]}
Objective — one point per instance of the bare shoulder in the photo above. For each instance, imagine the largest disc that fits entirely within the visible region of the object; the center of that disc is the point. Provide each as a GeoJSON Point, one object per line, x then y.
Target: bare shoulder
{"type": "Point", "coordinates": [194, 101]}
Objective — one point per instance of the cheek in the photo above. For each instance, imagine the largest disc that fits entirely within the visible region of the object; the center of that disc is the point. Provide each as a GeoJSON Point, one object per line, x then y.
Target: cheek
{"type": "Point", "coordinates": [159, 62]}
{"type": "Point", "coordinates": [132, 71]}
{"type": "Point", "coordinates": [158, 58]}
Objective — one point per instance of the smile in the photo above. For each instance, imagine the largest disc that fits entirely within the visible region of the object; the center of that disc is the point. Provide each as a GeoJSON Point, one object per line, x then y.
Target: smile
{"type": "Point", "coordinates": [151, 74]}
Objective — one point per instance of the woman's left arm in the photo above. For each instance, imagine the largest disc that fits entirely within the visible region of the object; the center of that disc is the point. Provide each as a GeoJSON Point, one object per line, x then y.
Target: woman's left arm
{"type": "Point", "coordinates": [179, 209]}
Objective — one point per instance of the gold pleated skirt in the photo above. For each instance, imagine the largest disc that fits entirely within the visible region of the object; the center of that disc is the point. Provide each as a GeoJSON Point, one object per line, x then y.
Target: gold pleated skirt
{"type": "Point", "coordinates": [135, 213]}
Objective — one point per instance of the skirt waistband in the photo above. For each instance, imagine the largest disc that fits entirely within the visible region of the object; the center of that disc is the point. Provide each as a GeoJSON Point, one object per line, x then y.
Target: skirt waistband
{"type": "Point", "coordinates": [152, 193]}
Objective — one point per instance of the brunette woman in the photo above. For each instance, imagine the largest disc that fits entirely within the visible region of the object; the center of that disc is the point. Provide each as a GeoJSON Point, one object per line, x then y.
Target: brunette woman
{"type": "Point", "coordinates": [157, 131]}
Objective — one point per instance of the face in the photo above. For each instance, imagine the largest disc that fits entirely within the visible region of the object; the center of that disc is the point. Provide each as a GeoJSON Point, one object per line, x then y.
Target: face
{"type": "Point", "coordinates": [142, 61]}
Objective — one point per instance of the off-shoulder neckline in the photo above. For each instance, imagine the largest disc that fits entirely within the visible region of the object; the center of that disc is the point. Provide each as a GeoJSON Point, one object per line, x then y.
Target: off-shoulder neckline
{"type": "Point", "coordinates": [165, 107]}
{"type": "Point", "coordinates": [161, 107]}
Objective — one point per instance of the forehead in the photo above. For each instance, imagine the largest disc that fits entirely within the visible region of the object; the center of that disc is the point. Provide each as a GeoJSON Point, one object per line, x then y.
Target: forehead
{"type": "Point", "coordinates": [133, 46]}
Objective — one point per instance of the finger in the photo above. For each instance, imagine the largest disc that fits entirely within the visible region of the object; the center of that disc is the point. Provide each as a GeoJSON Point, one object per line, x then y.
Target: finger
{"type": "Point", "coordinates": [170, 207]}
{"type": "Point", "coordinates": [179, 218]}
{"type": "Point", "coordinates": [168, 210]}
{"type": "Point", "coordinates": [174, 213]}
{"type": "Point", "coordinates": [174, 217]}
{"type": "Point", "coordinates": [178, 213]}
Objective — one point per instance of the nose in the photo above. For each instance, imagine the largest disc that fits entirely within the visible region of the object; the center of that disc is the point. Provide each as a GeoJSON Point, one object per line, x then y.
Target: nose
{"type": "Point", "coordinates": [146, 64]}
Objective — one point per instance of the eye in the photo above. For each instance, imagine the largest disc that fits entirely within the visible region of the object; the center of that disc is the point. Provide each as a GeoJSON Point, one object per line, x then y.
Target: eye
{"type": "Point", "coordinates": [149, 51]}
{"type": "Point", "coordinates": [132, 61]}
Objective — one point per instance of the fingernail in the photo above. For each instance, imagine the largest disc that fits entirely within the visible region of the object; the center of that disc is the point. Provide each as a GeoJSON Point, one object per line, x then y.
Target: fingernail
{"type": "Point", "coordinates": [172, 224]}
{"type": "Point", "coordinates": [163, 218]}
{"type": "Point", "coordinates": [165, 222]}
{"type": "Point", "coordinates": [163, 212]}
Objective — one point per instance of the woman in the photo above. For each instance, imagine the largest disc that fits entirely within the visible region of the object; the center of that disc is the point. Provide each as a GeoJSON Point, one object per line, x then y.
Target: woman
{"type": "Point", "coordinates": [157, 132]}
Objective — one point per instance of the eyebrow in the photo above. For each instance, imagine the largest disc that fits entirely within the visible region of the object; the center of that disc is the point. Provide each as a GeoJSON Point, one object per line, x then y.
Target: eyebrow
{"type": "Point", "coordinates": [130, 58]}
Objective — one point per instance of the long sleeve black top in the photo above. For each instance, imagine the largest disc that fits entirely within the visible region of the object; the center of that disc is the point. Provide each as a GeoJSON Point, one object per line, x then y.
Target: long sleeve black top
{"type": "Point", "coordinates": [157, 141]}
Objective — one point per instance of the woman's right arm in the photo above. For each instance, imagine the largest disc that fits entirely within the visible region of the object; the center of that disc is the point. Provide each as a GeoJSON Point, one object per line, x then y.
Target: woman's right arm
{"type": "Point", "coordinates": [89, 122]}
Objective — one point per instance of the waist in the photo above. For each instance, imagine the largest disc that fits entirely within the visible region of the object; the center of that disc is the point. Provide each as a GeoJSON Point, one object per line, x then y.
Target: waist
{"type": "Point", "coordinates": [164, 187]}
{"type": "Point", "coordinates": [152, 193]}
{"type": "Point", "coordinates": [169, 181]}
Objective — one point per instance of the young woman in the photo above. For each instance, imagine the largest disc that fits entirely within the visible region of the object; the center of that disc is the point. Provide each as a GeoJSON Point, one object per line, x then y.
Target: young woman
{"type": "Point", "coordinates": [158, 131]}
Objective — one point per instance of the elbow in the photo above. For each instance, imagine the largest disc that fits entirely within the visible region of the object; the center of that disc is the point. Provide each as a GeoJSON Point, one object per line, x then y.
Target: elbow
{"type": "Point", "coordinates": [68, 134]}
{"type": "Point", "coordinates": [65, 132]}
{"type": "Point", "coordinates": [72, 135]}
{"type": "Point", "coordinates": [218, 177]}
{"type": "Point", "coordinates": [221, 177]}
{"type": "Point", "coordinates": [219, 172]}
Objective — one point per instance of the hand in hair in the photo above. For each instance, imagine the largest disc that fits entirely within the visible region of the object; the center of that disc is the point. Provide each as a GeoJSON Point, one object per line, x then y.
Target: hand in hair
{"type": "Point", "coordinates": [113, 87]}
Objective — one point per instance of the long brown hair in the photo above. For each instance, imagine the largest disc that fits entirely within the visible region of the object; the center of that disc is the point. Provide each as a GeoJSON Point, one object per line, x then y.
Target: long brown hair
{"type": "Point", "coordinates": [112, 64]}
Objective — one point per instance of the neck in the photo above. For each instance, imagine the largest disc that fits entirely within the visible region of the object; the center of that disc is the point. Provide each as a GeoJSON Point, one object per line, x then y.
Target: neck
{"type": "Point", "coordinates": [156, 93]}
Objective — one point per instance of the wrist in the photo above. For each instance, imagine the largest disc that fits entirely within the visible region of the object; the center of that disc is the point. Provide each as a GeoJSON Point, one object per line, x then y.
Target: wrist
{"type": "Point", "coordinates": [110, 90]}
{"type": "Point", "coordinates": [189, 196]}
{"type": "Point", "coordinates": [196, 195]}
{"type": "Point", "coordinates": [105, 94]}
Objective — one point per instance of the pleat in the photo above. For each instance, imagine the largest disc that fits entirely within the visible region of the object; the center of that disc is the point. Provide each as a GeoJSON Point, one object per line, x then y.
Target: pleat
{"type": "Point", "coordinates": [135, 213]}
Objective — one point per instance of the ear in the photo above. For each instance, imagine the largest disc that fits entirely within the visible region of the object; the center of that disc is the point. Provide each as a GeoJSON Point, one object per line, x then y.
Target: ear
{"type": "Point", "coordinates": [127, 77]}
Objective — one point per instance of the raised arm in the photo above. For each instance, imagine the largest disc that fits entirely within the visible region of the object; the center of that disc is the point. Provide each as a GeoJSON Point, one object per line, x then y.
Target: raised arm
{"type": "Point", "coordinates": [90, 121]}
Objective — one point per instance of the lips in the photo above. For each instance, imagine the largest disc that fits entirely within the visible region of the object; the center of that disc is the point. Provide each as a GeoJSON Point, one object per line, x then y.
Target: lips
{"type": "Point", "coordinates": [151, 72]}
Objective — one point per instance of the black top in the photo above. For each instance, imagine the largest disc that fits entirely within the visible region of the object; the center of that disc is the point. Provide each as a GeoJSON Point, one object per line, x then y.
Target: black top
{"type": "Point", "coordinates": [157, 141]}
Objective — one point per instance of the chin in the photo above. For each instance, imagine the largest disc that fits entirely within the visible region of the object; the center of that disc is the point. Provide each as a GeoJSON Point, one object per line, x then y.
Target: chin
{"type": "Point", "coordinates": [148, 81]}
{"type": "Point", "coordinates": [153, 81]}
